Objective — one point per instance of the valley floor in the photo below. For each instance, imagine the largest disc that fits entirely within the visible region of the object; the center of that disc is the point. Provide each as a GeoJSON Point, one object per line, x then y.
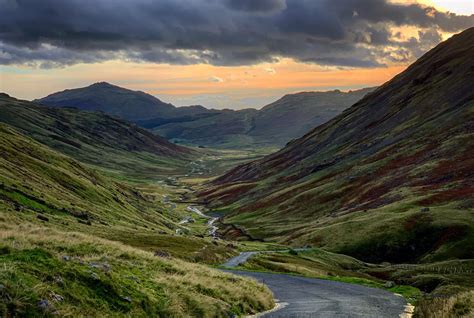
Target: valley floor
{"type": "Point", "coordinates": [59, 264]}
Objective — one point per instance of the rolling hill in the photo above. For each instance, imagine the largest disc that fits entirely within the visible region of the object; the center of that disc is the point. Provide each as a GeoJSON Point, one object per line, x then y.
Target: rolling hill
{"type": "Point", "coordinates": [274, 125]}
{"type": "Point", "coordinates": [389, 179]}
{"type": "Point", "coordinates": [95, 138]}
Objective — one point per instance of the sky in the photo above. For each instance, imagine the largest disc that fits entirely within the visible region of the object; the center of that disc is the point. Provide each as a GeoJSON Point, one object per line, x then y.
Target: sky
{"type": "Point", "coordinates": [217, 53]}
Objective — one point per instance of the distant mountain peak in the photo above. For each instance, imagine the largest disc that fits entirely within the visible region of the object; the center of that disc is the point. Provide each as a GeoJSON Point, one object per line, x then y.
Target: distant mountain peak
{"type": "Point", "coordinates": [275, 124]}
{"type": "Point", "coordinates": [111, 99]}
{"type": "Point", "coordinates": [102, 84]}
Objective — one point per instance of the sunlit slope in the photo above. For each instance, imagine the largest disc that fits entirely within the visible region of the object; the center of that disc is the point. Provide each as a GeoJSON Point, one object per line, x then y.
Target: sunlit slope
{"type": "Point", "coordinates": [36, 180]}
{"type": "Point", "coordinates": [49, 273]}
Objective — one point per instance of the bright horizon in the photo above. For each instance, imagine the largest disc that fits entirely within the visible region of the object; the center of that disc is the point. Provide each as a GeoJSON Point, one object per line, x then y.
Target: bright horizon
{"type": "Point", "coordinates": [240, 86]}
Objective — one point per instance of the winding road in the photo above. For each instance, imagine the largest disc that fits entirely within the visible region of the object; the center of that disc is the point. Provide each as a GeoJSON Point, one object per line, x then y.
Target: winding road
{"type": "Point", "coordinates": [310, 297]}
{"type": "Point", "coordinates": [244, 256]}
{"type": "Point", "coordinates": [210, 224]}
{"type": "Point", "coordinates": [302, 297]}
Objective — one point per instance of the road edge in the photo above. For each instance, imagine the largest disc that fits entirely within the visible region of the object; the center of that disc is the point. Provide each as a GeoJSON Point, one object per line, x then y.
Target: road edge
{"type": "Point", "coordinates": [278, 306]}
{"type": "Point", "coordinates": [408, 311]}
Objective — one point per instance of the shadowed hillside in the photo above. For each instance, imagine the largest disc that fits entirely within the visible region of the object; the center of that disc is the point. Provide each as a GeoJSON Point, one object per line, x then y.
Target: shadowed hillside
{"type": "Point", "coordinates": [294, 114]}
{"type": "Point", "coordinates": [274, 125]}
{"type": "Point", "coordinates": [110, 99]}
{"type": "Point", "coordinates": [391, 178]}
{"type": "Point", "coordinates": [94, 138]}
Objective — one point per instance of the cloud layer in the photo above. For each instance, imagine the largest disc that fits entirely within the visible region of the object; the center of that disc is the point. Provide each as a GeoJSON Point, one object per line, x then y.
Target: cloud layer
{"type": "Point", "coordinates": [353, 33]}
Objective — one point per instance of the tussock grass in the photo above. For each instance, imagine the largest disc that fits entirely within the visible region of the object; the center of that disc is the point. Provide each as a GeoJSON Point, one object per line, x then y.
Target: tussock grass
{"type": "Point", "coordinates": [95, 277]}
{"type": "Point", "coordinates": [441, 305]}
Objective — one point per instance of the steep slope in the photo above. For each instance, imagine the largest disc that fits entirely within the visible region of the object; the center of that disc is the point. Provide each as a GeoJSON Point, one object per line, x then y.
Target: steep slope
{"type": "Point", "coordinates": [391, 178]}
{"type": "Point", "coordinates": [35, 178]}
{"type": "Point", "coordinates": [274, 125]}
{"type": "Point", "coordinates": [94, 138]}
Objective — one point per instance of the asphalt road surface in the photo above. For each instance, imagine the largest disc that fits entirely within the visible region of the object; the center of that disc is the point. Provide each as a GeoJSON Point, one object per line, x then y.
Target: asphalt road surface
{"type": "Point", "coordinates": [244, 256]}
{"type": "Point", "coordinates": [239, 259]}
{"type": "Point", "coordinates": [310, 297]}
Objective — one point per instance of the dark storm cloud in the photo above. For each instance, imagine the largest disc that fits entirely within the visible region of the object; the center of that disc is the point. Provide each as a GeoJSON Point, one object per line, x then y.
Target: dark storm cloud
{"type": "Point", "coordinates": [219, 32]}
{"type": "Point", "coordinates": [257, 5]}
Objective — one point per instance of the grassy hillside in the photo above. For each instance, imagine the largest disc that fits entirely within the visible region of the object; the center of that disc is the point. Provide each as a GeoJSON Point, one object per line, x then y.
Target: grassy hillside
{"type": "Point", "coordinates": [42, 186]}
{"type": "Point", "coordinates": [390, 179]}
{"type": "Point", "coordinates": [95, 138]}
{"type": "Point", "coordinates": [223, 129]}
{"type": "Point", "coordinates": [56, 215]}
{"type": "Point", "coordinates": [36, 179]}
{"type": "Point", "coordinates": [49, 273]}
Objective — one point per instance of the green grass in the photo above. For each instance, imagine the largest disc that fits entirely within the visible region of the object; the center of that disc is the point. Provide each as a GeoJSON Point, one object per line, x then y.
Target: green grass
{"type": "Point", "coordinates": [76, 274]}
{"type": "Point", "coordinates": [72, 199]}
{"type": "Point", "coordinates": [97, 139]}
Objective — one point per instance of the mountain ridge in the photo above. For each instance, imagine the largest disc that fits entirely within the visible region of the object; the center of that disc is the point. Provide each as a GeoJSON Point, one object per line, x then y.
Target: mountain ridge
{"type": "Point", "coordinates": [273, 125]}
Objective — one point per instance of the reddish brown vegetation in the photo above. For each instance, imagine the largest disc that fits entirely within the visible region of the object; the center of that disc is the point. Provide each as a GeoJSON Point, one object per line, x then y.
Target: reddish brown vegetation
{"type": "Point", "coordinates": [459, 167]}
{"type": "Point", "coordinates": [459, 193]}
{"type": "Point", "coordinates": [232, 232]}
{"type": "Point", "coordinates": [265, 202]}
{"type": "Point", "coordinates": [451, 234]}
{"type": "Point", "coordinates": [229, 194]}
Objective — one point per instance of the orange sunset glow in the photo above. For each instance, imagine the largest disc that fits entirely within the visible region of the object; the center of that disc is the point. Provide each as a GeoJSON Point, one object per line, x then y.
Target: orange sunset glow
{"type": "Point", "coordinates": [214, 86]}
